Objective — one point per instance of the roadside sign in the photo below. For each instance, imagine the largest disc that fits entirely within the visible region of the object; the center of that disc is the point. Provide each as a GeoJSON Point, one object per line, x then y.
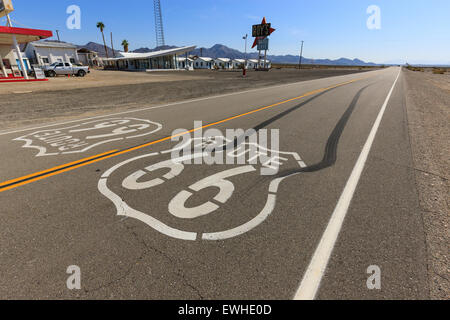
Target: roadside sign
{"type": "Point", "coordinates": [263, 44]}
{"type": "Point", "coordinates": [6, 7]}
{"type": "Point", "coordinates": [261, 30]}
{"type": "Point", "coordinates": [39, 73]}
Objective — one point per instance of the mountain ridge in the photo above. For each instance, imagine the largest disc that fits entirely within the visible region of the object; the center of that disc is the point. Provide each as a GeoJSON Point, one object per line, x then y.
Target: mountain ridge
{"type": "Point", "coordinates": [222, 51]}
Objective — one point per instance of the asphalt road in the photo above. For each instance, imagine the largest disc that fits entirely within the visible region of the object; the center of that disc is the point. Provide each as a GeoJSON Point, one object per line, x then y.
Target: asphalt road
{"type": "Point", "coordinates": [103, 194]}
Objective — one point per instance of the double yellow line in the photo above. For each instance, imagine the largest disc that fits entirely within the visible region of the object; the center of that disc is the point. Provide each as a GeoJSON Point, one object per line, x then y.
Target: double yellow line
{"type": "Point", "coordinates": [21, 181]}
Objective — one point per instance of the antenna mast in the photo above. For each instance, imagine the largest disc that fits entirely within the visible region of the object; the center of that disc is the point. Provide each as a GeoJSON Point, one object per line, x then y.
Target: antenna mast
{"type": "Point", "coordinates": [159, 24]}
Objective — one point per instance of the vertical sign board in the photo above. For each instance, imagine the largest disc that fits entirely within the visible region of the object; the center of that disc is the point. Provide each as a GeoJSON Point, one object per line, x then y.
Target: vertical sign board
{"type": "Point", "coordinates": [6, 7]}
{"type": "Point", "coordinates": [260, 32]}
{"type": "Point", "coordinates": [263, 44]}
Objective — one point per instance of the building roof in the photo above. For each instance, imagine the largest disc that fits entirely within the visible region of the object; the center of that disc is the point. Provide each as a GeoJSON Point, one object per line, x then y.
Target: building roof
{"type": "Point", "coordinates": [224, 59]}
{"type": "Point", "coordinates": [206, 59]}
{"type": "Point", "coordinates": [53, 44]}
{"type": "Point", "coordinates": [239, 60]}
{"type": "Point", "coordinates": [256, 60]}
{"type": "Point", "coordinates": [154, 54]}
{"type": "Point", "coordinates": [23, 35]}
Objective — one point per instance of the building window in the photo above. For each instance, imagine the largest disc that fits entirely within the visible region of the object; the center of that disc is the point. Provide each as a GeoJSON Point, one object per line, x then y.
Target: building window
{"type": "Point", "coordinates": [45, 60]}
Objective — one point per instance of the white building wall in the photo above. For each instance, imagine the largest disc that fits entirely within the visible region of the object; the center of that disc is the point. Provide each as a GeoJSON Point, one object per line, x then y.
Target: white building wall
{"type": "Point", "coordinates": [237, 63]}
{"type": "Point", "coordinates": [182, 64]}
{"type": "Point", "coordinates": [52, 54]}
{"type": "Point", "coordinates": [203, 64]}
{"type": "Point", "coordinates": [221, 64]}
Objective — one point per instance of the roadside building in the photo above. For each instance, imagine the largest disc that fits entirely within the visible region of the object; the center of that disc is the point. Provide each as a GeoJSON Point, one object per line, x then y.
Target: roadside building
{"type": "Point", "coordinates": [47, 52]}
{"type": "Point", "coordinates": [238, 63]}
{"type": "Point", "coordinates": [204, 63]}
{"type": "Point", "coordinates": [185, 64]}
{"type": "Point", "coordinates": [89, 58]}
{"type": "Point", "coordinates": [253, 64]}
{"type": "Point", "coordinates": [157, 60]}
{"type": "Point", "coordinates": [223, 63]}
{"type": "Point", "coordinates": [9, 61]}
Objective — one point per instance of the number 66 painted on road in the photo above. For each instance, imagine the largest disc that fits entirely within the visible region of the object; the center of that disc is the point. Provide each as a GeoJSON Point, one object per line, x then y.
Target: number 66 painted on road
{"type": "Point", "coordinates": [177, 206]}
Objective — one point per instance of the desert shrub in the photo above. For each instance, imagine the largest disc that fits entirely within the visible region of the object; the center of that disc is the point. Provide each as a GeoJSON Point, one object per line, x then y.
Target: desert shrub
{"type": "Point", "coordinates": [438, 71]}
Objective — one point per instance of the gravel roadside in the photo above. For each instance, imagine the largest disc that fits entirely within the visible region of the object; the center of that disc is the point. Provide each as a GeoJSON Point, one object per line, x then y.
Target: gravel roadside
{"type": "Point", "coordinates": [428, 107]}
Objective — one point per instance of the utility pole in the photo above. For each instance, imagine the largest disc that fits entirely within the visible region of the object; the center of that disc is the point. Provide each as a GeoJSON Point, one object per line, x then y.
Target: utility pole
{"type": "Point", "coordinates": [301, 56]}
{"type": "Point", "coordinates": [57, 34]}
{"type": "Point", "coordinates": [245, 38]}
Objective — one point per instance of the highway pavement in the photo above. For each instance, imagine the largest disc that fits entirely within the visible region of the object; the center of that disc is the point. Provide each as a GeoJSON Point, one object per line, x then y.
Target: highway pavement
{"type": "Point", "coordinates": [130, 199]}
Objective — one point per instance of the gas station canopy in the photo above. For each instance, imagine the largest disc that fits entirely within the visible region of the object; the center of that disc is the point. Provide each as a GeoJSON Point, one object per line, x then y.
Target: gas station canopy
{"type": "Point", "coordinates": [23, 35]}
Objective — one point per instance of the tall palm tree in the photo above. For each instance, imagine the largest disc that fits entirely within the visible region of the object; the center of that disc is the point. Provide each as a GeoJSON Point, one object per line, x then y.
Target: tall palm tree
{"type": "Point", "coordinates": [101, 26]}
{"type": "Point", "coordinates": [125, 45]}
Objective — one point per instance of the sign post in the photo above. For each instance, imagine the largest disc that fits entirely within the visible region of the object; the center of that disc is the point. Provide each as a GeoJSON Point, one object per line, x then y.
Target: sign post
{"type": "Point", "coordinates": [6, 7]}
{"type": "Point", "coordinates": [261, 32]}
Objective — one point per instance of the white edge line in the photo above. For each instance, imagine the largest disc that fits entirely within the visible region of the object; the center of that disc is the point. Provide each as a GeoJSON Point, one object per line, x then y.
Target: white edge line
{"type": "Point", "coordinates": [170, 104]}
{"type": "Point", "coordinates": [313, 276]}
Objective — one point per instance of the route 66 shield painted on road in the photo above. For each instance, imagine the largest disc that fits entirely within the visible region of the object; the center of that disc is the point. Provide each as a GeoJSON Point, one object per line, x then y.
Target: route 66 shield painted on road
{"type": "Point", "coordinates": [171, 196]}
{"type": "Point", "coordinates": [85, 136]}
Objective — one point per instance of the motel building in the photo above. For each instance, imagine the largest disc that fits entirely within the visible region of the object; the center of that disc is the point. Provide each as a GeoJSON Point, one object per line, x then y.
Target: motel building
{"type": "Point", "coordinates": [157, 60]}
{"type": "Point", "coordinates": [10, 40]}
{"type": "Point", "coordinates": [223, 63]}
{"type": "Point", "coordinates": [238, 63]}
{"type": "Point", "coordinates": [253, 64]}
{"type": "Point", "coordinates": [204, 63]}
{"type": "Point", "coordinates": [186, 64]}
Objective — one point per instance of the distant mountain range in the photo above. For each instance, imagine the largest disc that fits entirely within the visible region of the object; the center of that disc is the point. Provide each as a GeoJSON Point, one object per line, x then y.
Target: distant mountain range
{"type": "Point", "coordinates": [222, 51]}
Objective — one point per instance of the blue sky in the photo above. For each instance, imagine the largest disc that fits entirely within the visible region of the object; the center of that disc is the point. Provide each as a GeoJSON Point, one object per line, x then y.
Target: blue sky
{"type": "Point", "coordinates": [417, 31]}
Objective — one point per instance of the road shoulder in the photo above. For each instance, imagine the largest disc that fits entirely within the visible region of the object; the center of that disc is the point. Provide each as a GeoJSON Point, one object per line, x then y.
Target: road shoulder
{"type": "Point", "coordinates": [427, 98]}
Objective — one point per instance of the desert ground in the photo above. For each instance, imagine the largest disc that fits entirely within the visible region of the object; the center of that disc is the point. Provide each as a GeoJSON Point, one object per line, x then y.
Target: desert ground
{"type": "Point", "coordinates": [428, 107]}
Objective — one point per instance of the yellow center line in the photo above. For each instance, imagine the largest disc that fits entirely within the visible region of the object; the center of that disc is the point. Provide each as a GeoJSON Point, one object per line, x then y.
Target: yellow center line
{"type": "Point", "coordinates": [14, 183]}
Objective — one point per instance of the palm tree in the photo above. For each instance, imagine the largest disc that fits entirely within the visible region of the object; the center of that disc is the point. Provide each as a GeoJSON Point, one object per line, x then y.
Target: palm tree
{"type": "Point", "coordinates": [125, 45]}
{"type": "Point", "coordinates": [101, 26]}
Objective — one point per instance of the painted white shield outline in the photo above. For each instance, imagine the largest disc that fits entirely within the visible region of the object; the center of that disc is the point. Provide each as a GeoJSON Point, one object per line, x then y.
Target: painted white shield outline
{"type": "Point", "coordinates": [176, 208]}
{"type": "Point", "coordinates": [122, 128]}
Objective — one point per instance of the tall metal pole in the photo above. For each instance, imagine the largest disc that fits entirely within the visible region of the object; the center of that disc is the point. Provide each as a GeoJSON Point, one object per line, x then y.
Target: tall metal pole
{"type": "Point", "coordinates": [265, 59]}
{"type": "Point", "coordinates": [301, 56]}
{"type": "Point", "coordinates": [57, 34]}
{"type": "Point", "coordinates": [19, 54]}
{"type": "Point", "coordinates": [159, 28]}
{"type": "Point", "coordinates": [246, 57]}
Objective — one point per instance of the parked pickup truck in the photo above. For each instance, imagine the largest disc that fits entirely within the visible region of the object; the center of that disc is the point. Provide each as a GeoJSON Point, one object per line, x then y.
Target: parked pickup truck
{"type": "Point", "coordinates": [59, 68]}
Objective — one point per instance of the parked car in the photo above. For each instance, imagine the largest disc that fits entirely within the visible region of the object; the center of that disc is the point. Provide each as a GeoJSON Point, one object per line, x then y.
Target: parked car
{"type": "Point", "coordinates": [59, 68]}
